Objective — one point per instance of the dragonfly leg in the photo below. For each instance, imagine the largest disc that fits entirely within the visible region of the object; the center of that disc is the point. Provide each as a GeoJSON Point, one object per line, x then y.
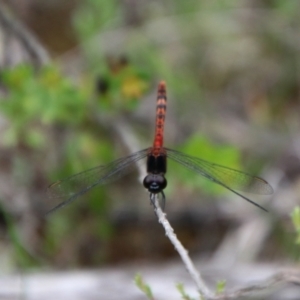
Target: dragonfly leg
{"type": "Point", "coordinates": [163, 200]}
{"type": "Point", "coordinates": [152, 199]}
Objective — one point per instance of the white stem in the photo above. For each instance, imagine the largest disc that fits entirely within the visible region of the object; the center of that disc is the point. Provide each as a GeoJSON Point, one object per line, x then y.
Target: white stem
{"type": "Point", "coordinates": [202, 288]}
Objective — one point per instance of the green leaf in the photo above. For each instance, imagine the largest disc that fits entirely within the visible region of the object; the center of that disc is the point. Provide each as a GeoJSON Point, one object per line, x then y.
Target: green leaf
{"type": "Point", "coordinates": [295, 215]}
{"type": "Point", "coordinates": [184, 295]}
{"type": "Point", "coordinates": [221, 284]}
{"type": "Point", "coordinates": [143, 286]}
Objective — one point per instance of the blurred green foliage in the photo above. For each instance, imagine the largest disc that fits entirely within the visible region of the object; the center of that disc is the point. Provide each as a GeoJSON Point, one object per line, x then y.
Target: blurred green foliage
{"type": "Point", "coordinates": [200, 146]}
{"type": "Point", "coordinates": [145, 288]}
{"type": "Point", "coordinates": [21, 256]}
{"type": "Point", "coordinates": [93, 15]}
{"type": "Point", "coordinates": [44, 98]}
{"type": "Point", "coordinates": [121, 85]}
{"type": "Point", "coordinates": [214, 55]}
{"type": "Point", "coordinates": [220, 287]}
{"type": "Point", "coordinates": [295, 216]}
{"type": "Point", "coordinates": [180, 287]}
{"type": "Point", "coordinates": [46, 111]}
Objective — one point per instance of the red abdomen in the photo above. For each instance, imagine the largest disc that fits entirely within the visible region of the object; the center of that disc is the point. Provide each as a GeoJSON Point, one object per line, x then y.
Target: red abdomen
{"type": "Point", "coordinates": [161, 106]}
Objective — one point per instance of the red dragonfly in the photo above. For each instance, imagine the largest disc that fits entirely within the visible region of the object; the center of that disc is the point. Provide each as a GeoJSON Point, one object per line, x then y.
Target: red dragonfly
{"type": "Point", "coordinates": [71, 188]}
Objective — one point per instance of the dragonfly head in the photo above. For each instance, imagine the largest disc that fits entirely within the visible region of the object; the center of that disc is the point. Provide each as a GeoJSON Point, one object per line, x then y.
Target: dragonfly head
{"type": "Point", "coordinates": [155, 183]}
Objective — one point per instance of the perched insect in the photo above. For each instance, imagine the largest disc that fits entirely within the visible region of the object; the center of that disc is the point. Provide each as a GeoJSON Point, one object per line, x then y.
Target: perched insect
{"type": "Point", "coordinates": [70, 188]}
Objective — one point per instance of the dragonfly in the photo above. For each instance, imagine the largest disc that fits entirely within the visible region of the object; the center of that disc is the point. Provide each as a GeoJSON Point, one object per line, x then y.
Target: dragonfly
{"type": "Point", "coordinates": [69, 189]}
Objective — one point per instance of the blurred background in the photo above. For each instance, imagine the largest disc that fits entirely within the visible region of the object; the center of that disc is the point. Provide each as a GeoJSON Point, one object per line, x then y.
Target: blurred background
{"type": "Point", "coordinates": [78, 89]}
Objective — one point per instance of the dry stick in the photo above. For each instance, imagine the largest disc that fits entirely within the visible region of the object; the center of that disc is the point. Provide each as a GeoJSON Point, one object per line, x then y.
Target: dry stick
{"type": "Point", "coordinates": [202, 288]}
{"type": "Point", "coordinates": [248, 291]}
{"type": "Point", "coordinates": [36, 51]}
{"type": "Point", "coordinates": [270, 283]}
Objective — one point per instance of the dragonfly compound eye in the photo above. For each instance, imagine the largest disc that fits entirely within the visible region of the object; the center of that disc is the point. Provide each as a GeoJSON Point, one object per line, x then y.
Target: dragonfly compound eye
{"type": "Point", "coordinates": [155, 183]}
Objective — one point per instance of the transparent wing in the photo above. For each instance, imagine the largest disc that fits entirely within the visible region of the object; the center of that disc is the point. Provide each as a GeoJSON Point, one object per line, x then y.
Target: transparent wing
{"type": "Point", "coordinates": [226, 177]}
{"type": "Point", "coordinates": [222, 175]}
{"type": "Point", "coordinates": [68, 189]}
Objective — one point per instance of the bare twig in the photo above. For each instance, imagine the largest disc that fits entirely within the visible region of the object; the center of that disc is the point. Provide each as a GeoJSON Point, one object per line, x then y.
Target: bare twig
{"type": "Point", "coordinates": [30, 44]}
{"type": "Point", "coordinates": [268, 284]}
{"type": "Point", "coordinates": [202, 288]}
{"type": "Point", "coordinates": [263, 286]}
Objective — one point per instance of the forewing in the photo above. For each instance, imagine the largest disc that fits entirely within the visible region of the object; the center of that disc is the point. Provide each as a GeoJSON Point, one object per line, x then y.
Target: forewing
{"type": "Point", "coordinates": [68, 189]}
{"type": "Point", "coordinates": [227, 177]}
